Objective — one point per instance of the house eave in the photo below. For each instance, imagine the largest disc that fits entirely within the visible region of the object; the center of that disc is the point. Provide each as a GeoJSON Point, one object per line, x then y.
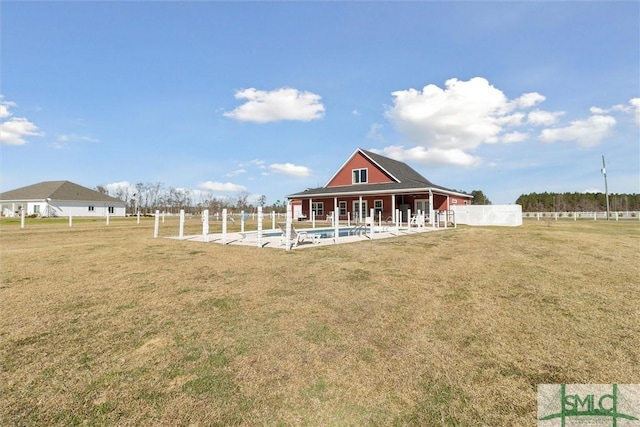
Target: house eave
{"type": "Point", "coordinates": [377, 192]}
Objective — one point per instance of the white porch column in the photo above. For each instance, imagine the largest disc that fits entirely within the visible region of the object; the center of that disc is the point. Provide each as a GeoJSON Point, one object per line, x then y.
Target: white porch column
{"type": "Point", "coordinates": [431, 218]}
{"type": "Point", "coordinates": [336, 212]}
{"type": "Point", "coordinates": [393, 208]}
{"type": "Point", "coordinates": [360, 209]}
{"type": "Point", "coordinates": [446, 214]}
{"type": "Point", "coordinates": [311, 211]}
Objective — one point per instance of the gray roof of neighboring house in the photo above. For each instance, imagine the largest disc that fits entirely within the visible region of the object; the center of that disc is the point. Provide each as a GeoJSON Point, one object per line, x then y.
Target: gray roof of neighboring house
{"type": "Point", "coordinates": [57, 190]}
{"type": "Point", "coordinates": [407, 180]}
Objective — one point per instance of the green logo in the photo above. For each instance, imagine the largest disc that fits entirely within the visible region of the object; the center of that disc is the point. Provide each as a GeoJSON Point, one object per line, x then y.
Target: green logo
{"type": "Point", "coordinates": [588, 404]}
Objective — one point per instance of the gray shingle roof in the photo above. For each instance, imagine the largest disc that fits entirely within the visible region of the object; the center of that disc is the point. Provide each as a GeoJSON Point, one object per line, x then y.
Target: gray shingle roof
{"type": "Point", "coordinates": [408, 180]}
{"type": "Point", "coordinates": [56, 190]}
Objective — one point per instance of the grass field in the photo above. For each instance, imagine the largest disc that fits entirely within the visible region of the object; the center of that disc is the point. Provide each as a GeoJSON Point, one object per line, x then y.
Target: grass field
{"type": "Point", "coordinates": [108, 326]}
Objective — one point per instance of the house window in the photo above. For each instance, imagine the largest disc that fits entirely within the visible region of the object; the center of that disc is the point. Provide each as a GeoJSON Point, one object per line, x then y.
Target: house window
{"type": "Point", "coordinates": [111, 209]}
{"type": "Point", "coordinates": [318, 208]}
{"type": "Point", "coordinates": [454, 201]}
{"type": "Point", "coordinates": [36, 209]}
{"type": "Point", "coordinates": [343, 208]}
{"type": "Point", "coordinates": [92, 208]}
{"type": "Point", "coordinates": [377, 206]}
{"type": "Point", "coordinates": [359, 176]}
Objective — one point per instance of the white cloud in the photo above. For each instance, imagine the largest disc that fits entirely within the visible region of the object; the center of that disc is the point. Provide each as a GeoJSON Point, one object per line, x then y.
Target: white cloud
{"type": "Point", "coordinates": [236, 172]}
{"type": "Point", "coordinates": [462, 116]}
{"type": "Point", "coordinates": [431, 156]}
{"type": "Point", "coordinates": [124, 188]}
{"type": "Point", "coordinates": [543, 118]}
{"type": "Point", "coordinates": [374, 132]}
{"type": "Point", "coordinates": [290, 169]}
{"type": "Point", "coordinates": [79, 138]}
{"type": "Point", "coordinates": [5, 107]}
{"type": "Point", "coordinates": [446, 124]}
{"type": "Point", "coordinates": [277, 105]}
{"type": "Point", "coordinates": [635, 105]}
{"type": "Point", "coordinates": [529, 99]}
{"type": "Point", "coordinates": [14, 130]}
{"type": "Point", "coordinates": [220, 186]}
{"type": "Point", "coordinates": [587, 133]}
{"type": "Point", "coordinates": [512, 137]}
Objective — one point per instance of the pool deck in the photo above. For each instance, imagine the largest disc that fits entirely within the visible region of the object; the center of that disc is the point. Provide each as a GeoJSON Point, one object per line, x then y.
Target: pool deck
{"type": "Point", "coordinates": [249, 238]}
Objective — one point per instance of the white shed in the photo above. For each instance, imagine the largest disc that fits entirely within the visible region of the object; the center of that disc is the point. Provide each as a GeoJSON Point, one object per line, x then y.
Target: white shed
{"type": "Point", "coordinates": [60, 198]}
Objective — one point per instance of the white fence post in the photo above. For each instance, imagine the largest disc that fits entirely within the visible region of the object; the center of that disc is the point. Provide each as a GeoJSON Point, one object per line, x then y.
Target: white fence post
{"type": "Point", "coordinates": [273, 220]}
{"type": "Point", "coordinates": [260, 226]}
{"type": "Point", "coordinates": [181, 233]}
{"type": "Point", "coordinates": [224, 226]}
{"type": "Point", "coordinates": [373, 221]}
{"type": "Point", "coordinates": [156, 225]}
{"type": "Point", "coordinates": [70, 220]}
{"type": "Point", "coordinates": [336, 231]}
{"type": "Point", "coordinates": [242, 221]}
{"type": "Point", "coordinates": [107, 217]}
{"type": "Point", "coordinates": [22, 218]}
{"type": "Point", "coordinates": [205, 225]}
{"type": "Point", "coordinates": [287, 232]}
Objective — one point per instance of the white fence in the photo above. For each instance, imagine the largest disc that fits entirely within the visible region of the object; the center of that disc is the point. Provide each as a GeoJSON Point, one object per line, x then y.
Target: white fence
{"type": "Point", "coordinates": [506, 215]}
{"type": "Point", "coordinates": [593, 216]}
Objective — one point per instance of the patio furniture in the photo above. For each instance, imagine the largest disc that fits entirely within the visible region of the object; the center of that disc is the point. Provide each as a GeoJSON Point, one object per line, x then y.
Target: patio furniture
{"type": "Point", "coordinates": [296, 236]}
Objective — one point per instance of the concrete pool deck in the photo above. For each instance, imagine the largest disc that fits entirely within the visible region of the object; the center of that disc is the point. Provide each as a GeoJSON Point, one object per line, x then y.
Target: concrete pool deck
{"type": "Point", "coordinates": [249, 238]}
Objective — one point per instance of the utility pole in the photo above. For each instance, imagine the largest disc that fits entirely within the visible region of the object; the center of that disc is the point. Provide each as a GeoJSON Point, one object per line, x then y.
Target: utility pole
{"type": "Point", "coordinates": [606, 189]}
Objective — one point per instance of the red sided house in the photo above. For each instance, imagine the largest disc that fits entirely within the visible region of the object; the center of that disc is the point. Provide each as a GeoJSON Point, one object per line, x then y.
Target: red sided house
{"type": "Point", "coordinates": [370, 181]}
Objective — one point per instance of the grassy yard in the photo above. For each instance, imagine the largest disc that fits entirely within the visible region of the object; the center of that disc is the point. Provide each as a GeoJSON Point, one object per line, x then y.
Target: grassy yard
{"type": "Point", "coordinates": [108, 326]}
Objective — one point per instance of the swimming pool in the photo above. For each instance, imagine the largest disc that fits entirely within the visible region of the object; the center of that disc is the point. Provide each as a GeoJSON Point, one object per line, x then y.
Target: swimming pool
{"type": "Point", "coordinates": [326, 233]}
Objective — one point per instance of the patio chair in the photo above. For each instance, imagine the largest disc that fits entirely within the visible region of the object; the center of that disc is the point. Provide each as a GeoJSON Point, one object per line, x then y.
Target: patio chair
{"type": "Point", "coordinates": [296, 236]}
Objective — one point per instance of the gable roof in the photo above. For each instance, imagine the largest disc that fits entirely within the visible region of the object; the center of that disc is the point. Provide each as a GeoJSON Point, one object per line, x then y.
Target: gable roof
{"type": "Point", "coordinates": [401, 171]}
{"type": "Point", "coordinates": [406, 180]}
{"type": "Point", "coordinates": [57, 190]}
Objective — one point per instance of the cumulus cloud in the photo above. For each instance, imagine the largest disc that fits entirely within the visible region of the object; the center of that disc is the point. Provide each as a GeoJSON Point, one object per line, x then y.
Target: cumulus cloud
{"type": "Point", "coordinates": [635, 105]}
{"type": "Point", "coordinates": [5, 107]}
{"type": "Point", "coordinates": [221, 186]}
{"type": "Point", "coordinates": [587, 133]}
{"type": "Point", "coordinates": [543, 118]}
{"type": "Point", "coordinates": [290, 169]}
{"type": "Point", "coordinates": [435, 156]}
{"type": "Point", "coordinates": [280, 104]}
{"type": "Point", "coordinates": [529, 99]}
{"type": "Point", "coordinates": [445, 124]}
{"type": "Point", "coordinates": [511, 137]}
{"type": "Point", "coordinates": [14, 130]}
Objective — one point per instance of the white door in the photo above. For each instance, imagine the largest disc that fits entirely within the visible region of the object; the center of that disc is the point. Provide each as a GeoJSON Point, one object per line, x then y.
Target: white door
{"type": "Point", "coordinates": [361, 209]}
{"type": "Point", "coordinates": [297, 211]}
{"type": "Point", "coordinates": [422, 205]}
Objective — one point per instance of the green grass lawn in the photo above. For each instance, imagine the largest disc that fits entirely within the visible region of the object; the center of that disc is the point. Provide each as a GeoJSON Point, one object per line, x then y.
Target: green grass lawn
{"type": "Point", "coordinates": [108, 326]}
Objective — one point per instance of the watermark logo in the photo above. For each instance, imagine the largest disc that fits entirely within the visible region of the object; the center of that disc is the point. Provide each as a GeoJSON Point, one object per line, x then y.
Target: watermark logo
{"type": "Point", "coordinates": [569, 405]}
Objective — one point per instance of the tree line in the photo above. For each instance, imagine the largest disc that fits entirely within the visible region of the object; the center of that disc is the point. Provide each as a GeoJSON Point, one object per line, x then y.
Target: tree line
{"type": "Point", "coordinates": [147, 197]}
{"type": "Point", "coordinates": [578, 202]}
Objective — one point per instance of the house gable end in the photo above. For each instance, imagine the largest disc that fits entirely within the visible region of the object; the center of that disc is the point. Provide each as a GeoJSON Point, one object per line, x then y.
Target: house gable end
{"type": "Point", "coordinates": [374, 174]}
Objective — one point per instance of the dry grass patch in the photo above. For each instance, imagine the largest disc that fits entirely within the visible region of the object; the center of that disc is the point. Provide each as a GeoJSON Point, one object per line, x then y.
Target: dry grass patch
{"type": "Point", "coordinates": [110, 326]}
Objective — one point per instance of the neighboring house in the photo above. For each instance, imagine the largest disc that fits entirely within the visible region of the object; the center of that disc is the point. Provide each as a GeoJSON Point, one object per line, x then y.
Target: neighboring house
{"type": "Point", "coordinates": [59, 198]}
{"type": "Point", "coordinates": [371, 181]}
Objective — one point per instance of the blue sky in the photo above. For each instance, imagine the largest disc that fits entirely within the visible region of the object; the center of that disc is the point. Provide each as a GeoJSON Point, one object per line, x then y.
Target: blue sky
{"type": "Point", "coordinates": [270, 98]}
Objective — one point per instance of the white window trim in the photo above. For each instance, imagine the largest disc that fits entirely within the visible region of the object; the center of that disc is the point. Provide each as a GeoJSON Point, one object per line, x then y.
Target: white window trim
{"type": "Point", "coordinates": [353, 179]}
